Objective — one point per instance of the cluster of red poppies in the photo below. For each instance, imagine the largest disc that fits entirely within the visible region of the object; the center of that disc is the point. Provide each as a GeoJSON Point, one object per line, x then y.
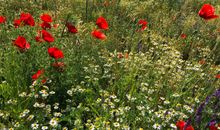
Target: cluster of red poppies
{"type": "Point", "coordinates": [102, 24]}
{"type": "Point", "coordinates": [181, 125]}
{"type": "Point", "coordinates": [43, 36]}
{"type": "Point", "coordinates": [46, 21]}
{"type": "Point", "coordinates": [26, 19]}
{"type": "Point", "coordinates": [53, 52]}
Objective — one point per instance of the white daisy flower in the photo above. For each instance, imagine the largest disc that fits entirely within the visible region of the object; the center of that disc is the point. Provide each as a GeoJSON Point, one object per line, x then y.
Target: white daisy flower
{"type": "Point", "coordinates": [53, 122]}
{"type": "Point", "coordinates": [44, 127]}
{"type": "Point", "coordinates": [34, 126]}
{"type": "Point", "coordinates": [157, 126]}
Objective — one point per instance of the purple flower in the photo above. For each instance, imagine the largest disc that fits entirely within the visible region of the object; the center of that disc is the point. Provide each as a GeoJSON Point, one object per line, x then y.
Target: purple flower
{"type": "Point", "coordinates": [198, 115]}
{"type": "Point", "coordinates": [217, 93]}
{"type": "Point", "coordinates": [212, 122]}
{"type": "Point", "coordinates": [207, 100]}
{"type": "Point", "coordinates": [200, 109]}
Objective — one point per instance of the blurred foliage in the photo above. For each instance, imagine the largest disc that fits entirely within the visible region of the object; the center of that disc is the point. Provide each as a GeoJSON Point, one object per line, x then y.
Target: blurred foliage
{"type": "Point", "coordinates": [138, 79]}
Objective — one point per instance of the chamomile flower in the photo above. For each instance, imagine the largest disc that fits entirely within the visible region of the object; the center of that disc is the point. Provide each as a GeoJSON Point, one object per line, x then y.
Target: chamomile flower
{"type": "Point", "coordinates": [157, 126]}
{"type": "Point", "coordinates": [23, 94]}
{"type": "Point", "coordinates": [34, 126]}
{"type": "Point", "coordinates": [53, 122]}
{"type": "Point", "coordinates": [65, 128]}
{"type": "Point", "coordinates": [44, 127]}
{"type": "Point", "coordinates": [44, 93]}
{"type": "Point", "coordinates": [57, 114]}
{"type": "Point", "coordinates": [126, 127]}
{"type": "Point", "coordinates": [51, 92]}
{"type": "Point", "coordinates": [30, 117]}
{"type": "Point", "coordinates": [17, 124]}
{"type": "Point", "coordinates": [173, 126]}
{"type": "Point", "coordinates": [116, 124]}
{"type": "Point", "coordinates": [70, 92]}
{"type": "Point", "coordinates": [36, 104]}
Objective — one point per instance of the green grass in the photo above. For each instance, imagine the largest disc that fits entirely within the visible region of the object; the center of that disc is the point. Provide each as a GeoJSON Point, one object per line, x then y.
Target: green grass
{"type": "Point", "coordinates": [161, 81]}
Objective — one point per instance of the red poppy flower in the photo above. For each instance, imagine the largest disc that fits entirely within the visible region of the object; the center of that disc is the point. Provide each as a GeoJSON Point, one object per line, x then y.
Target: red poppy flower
{"type": "Point", "coordinates": [71, 28]}
{"type": "Point", "coordinates": [213, 127]}
{"type": "Point", "coordinates": [181, 124]}
{"type": "Point", "coordinates": [37, 74]}
{"type": "Point", "coordinates": [45, 25]}
{"type": "Point", "coordinates": [55, 52]}
{"type": "Point", "coordinates": [47, 36]}
{"type": "Point", "coordinates": [207, 12]}
{"type": "Point", "coordinates": [183, 36]}
{"type": "Point", "coordinates": [17, 22]}
{"type": "Point", "coordinates": [102, 23]}
{"type": "Point", "coordinates": [46, 18]}
{"type": "Point", "coordinates": [98, 34]}
{"type": "Point", "coordinates": [190, 128]}
{"type": "Point", "coordinates": [21, 43]}
{"type": "Point", "coordinates": [217, 76]}
{"type": "Point", "coordinates": [143, 24]}
{"type": "Point", "coordinates": [2, 19]}
{"type": "Point", "coordinates": [27, 19]}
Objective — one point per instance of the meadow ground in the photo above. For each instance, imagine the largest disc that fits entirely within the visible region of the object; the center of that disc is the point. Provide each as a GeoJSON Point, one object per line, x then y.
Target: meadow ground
{"type": "Point", "coordinates": [110, 64]}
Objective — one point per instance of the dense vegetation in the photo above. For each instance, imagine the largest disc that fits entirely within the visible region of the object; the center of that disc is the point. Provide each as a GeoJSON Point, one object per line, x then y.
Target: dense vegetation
{"type": "Point", "coordinates": [110, 64]}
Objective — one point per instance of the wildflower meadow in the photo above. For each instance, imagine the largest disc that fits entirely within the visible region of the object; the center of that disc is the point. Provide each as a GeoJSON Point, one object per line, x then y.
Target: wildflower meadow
{"type": "Point", "coordinates": [109, 65]}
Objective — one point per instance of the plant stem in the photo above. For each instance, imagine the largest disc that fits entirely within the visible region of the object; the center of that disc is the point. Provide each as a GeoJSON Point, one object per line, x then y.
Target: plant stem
{"type": "Point", "coordinates": [87, 4]}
